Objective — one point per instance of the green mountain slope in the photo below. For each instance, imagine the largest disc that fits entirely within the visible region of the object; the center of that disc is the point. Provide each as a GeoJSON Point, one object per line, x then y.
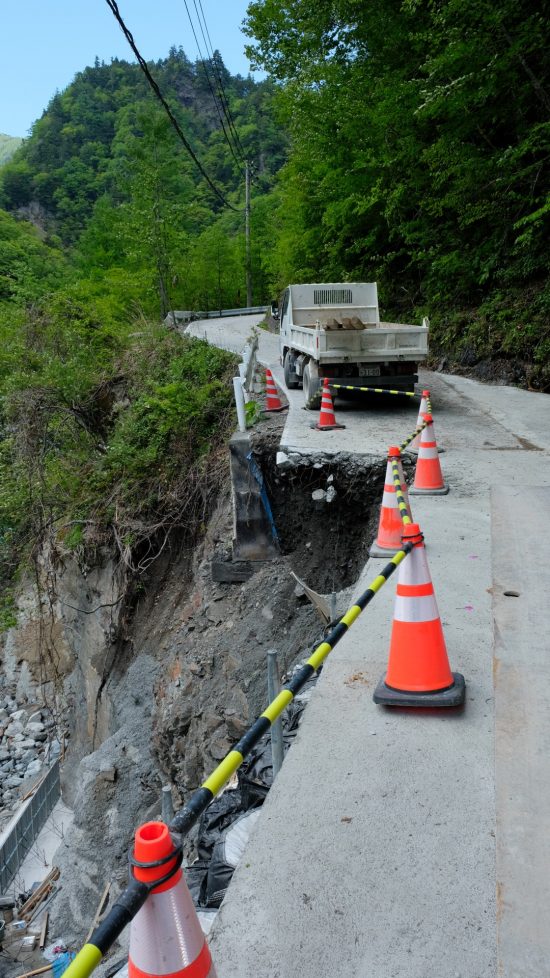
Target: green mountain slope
{"type": "Point", "coordinates": [88, 142]}
{"type": "Point", "coordinates": [8, 146]}
{"type": "Point", "coordinates": [109, 178]}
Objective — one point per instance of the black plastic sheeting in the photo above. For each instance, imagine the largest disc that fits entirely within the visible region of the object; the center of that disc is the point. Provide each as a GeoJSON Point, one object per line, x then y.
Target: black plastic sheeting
{"type": "Point", "coordinates": [209, 877]}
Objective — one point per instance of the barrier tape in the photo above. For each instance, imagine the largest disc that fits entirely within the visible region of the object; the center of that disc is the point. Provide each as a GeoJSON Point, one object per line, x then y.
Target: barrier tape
{"type": "Point", "coordinates": [411, 438]}
{"type": "Point", "coordinates": [400, 498]}
{"type": "Point", "coordinates": [370, 390]}
{"type": "Point", "coordinates": [134, 896]}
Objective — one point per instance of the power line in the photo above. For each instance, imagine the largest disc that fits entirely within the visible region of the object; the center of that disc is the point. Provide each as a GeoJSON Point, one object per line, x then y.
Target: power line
{"type": "Point", "coordinates": [221, 90]}
{"type": "Point", "coordinates": [154, 85]}
{"type": "Point", "coordinates": [213, 93]}
{"type": "Point", "coordinates": [223, 96]}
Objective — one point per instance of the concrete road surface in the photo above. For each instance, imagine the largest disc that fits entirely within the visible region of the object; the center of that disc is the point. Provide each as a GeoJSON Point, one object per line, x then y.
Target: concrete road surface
{"type": "Point", "coordinates": [407, 843]}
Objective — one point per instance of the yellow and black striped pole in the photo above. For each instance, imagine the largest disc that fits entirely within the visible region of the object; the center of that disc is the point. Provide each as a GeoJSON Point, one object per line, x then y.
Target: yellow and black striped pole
{"type": "Point", "coordinates": [411, 438]}
{"type": "Point", "coordinates": [369, 390]}
{"type": "Point", "coordinates": [400, 498]}
{"type": "Point", "coordinates": [135, 894]}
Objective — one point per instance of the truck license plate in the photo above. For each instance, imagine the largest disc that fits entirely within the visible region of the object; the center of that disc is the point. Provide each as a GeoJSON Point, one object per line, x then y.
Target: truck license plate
{"type": "Point", "coordinates": [369, 370]}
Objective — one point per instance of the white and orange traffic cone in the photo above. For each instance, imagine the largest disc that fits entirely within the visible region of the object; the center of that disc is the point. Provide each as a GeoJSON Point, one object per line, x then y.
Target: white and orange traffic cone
{"type": "Point", "coordinates": [418, 673]}
{"type": "Point", "coordinates": [390, 525]}
{"type": "Point", "coordinates": [272, 400]}
{"type": "Point", "coordinates": [428, 477]}
{"type": "Point", "coordinates": [327, 419]}
{"type": "Point", "coordinates": [423, 409]}
{"type": "Point", "coordinates": [165, 935]}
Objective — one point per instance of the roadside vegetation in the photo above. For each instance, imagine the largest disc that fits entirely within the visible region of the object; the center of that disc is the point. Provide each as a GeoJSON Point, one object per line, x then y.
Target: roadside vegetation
{"type": "Point", "coordinates": [419, 158]}
{"type": "Point", "coordinates": [112, 434]}
{"type": "Point", "coordinates": [404, 143]}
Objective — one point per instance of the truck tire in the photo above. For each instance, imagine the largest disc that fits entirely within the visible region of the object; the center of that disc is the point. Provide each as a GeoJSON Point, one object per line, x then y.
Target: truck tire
{"type": "Point", "coordinates": [312, 390]}
{"type": "Point", "coordinates": [291, 378]}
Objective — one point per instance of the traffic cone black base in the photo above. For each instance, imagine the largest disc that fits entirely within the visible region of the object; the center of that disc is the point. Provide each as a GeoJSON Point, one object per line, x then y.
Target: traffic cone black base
{"type": "Point", "coordinates": [428, 492]}
{"type": "Point", "coordinates": [326, 427]}
{"type": "Point", "coordinates": [376, 551]}
{"type": "Point", "coordinates": [452, 696]}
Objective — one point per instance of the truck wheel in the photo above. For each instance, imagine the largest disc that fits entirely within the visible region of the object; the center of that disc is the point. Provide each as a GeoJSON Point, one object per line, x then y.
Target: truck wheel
{"type": "Point", "coordinates": [291, 378]}
{"type": "Point", "coordinates": [312, 390]}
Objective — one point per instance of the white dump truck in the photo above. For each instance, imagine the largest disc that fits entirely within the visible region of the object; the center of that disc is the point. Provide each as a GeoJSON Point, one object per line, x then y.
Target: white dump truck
{"type": "Point", "coordinates": [333, 330]}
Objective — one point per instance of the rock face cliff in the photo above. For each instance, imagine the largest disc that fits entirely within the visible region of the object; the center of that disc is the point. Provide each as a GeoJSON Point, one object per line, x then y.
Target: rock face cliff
{"type": "Point", "coordinates": [153, 683]}
{"type": "Point", "coordinates": [8, 146]}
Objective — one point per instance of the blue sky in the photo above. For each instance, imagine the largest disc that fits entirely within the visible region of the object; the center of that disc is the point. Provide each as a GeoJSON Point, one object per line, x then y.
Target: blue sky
{"type": "Point", "coordinates": [43, 43]}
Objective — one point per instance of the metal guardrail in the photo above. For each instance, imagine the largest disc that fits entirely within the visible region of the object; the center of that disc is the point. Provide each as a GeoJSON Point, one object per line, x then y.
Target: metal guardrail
{"type": "Point", "coordinates": [25, 829]}
{"type": "Point", "coordinates": [243, 385]}
{"type": "Point", "coordinates": [182, 317]}
{"type": "Point", "coordinates": [219, 313]}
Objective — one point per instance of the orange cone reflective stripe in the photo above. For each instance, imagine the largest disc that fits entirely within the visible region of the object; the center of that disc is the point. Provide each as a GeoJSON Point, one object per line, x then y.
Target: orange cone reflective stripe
{"type": "Point", "coordinates": [327, 418]}
{"type": "Point", "coordinates": [272, 400]}
{"type": "Point", "coordinates": [418, 672]}
{"type": "Point", "coordinates": [166, 940]}
{"type": "Point", "coordinates": [428, 477]}
{"type": "Point", "coordinates": [390, 525]}
{"type": "Point", "coordinates": [423, 409]}
{"type": "Point", "coordinates": [418, 655]}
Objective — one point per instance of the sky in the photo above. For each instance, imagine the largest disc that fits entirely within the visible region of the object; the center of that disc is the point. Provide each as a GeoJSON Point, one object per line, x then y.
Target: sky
{"type": "Point", "coordinates": [44, 43]}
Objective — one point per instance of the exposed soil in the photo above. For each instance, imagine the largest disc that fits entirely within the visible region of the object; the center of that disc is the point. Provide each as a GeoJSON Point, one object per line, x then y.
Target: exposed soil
{"type": "Point", "coordinates": [493, 370]}
{"type": "Point", "coordinates": [190, 675]}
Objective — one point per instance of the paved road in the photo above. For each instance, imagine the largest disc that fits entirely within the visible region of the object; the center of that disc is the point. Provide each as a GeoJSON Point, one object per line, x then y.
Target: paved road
{"type": "Point", "coordinates": [407, 844]}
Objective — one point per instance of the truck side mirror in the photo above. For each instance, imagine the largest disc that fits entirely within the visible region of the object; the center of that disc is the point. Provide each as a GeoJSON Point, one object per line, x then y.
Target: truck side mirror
{"type": "Point", "coordinates": [274, 310]}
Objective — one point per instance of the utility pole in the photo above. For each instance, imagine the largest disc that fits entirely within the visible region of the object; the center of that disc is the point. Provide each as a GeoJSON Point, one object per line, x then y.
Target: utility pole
{"type": "Point", "coordinates": [247, 236]}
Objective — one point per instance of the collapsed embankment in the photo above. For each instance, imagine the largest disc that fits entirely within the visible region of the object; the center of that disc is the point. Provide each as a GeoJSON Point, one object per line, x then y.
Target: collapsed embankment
{"type": "Point", "coordinates": [160, 688]}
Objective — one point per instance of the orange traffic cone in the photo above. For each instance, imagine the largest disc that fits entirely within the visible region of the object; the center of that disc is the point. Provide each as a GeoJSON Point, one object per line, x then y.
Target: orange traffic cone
{"type": "Point", "coordinates": [390, 525]}
{"type": "Point", "coordinates": [423, 409]}
{"type": "Point", "coordinates": [327, 419]}
{"type": "Point", "coordinates": [272, 400]}
{"type": "Point", "coordinates": [428, 477]}
{"type": "Point", "coordinates": [418, 669]}
{"type": "Point", "coordinates": [165, 935]}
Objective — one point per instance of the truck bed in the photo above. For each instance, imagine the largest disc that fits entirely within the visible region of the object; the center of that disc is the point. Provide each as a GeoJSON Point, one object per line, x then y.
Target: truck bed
{"type": "Point", "coordinates": [375, 343]}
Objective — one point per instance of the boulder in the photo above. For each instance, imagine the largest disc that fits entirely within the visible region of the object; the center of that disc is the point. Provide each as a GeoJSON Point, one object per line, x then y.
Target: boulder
{"type": "Point", "coordinates": [19, 715]}
{"type": "Point", "coordinates": [13, 728]}
{"type": "Point", "coordinates": [13, 781]}
{"type": "Point", "coordinates": [34, 728]}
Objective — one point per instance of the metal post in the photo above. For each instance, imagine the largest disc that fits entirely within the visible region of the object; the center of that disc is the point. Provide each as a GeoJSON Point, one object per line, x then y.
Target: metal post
{"type": "Point", "coordinates": [239, 401]}
{"type": "Point", "coordinates": [273, 687]}
{"type": "Point", "coordinates": [247, 235]}
{"type": "Point", "coordinates": [167, 804]}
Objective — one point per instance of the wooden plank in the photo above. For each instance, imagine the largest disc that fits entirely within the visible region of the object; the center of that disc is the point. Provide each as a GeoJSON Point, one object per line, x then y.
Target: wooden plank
{"type": "Point", "coordinates": [100, 906]}
{"type": "Point", "coordinates": [44, 931]}
{"type": "Point", "coordinates": [39, 894]}
{"type": "Point", "coordinates": [37, 971]}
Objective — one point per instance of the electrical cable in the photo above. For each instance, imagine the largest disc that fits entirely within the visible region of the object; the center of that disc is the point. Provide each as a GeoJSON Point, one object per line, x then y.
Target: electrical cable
{"type": "Point", "coordinates": [154, 85]}
{"type": "Point", "coordinates": [215, 97]}
{"type": "Point", "coordinates": [223, 96]}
